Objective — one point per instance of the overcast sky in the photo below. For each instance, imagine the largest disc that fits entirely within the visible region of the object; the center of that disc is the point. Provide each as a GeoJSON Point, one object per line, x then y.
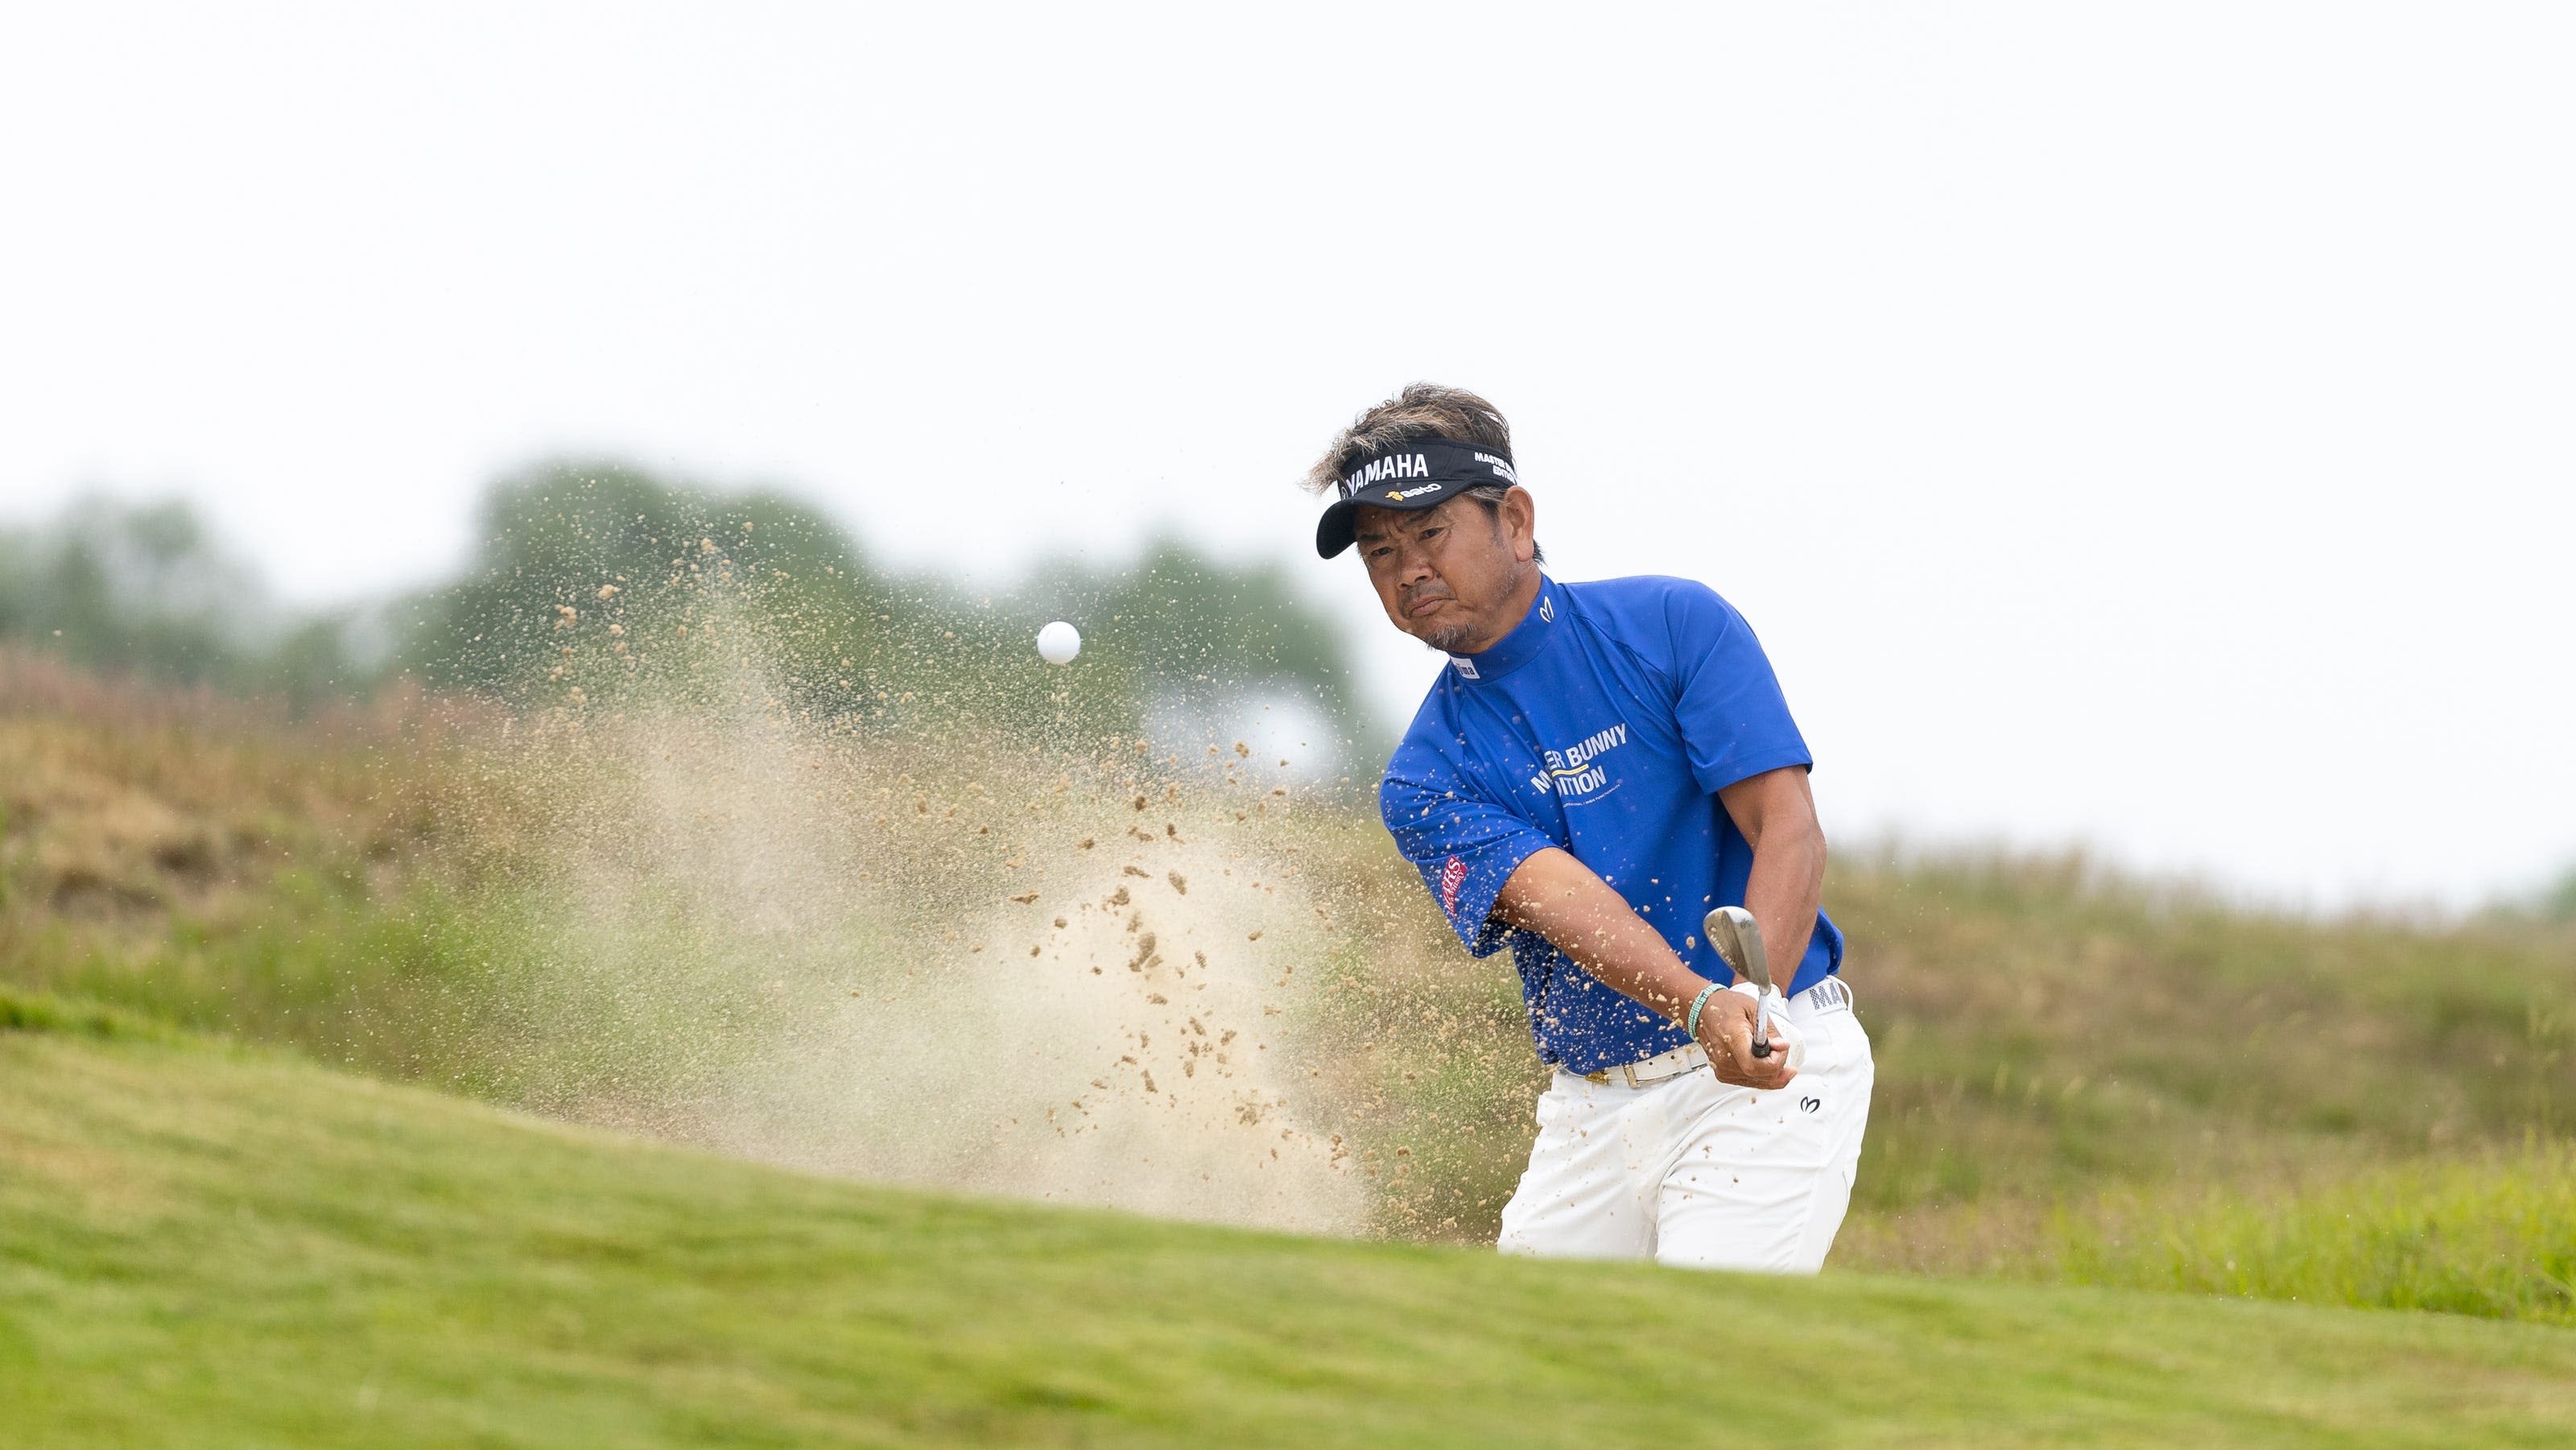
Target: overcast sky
{"type": "Point", "coordinates": [2148, 426]}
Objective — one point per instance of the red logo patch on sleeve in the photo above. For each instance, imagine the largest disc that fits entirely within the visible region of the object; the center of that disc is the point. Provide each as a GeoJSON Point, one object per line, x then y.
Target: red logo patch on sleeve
{"type": "Point", "coordinates": [1452, 876]}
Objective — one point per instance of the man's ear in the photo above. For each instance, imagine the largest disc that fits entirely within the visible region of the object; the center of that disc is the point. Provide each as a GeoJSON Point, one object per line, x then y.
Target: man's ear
{"type": "Point", "coordinates": [1520, 523]}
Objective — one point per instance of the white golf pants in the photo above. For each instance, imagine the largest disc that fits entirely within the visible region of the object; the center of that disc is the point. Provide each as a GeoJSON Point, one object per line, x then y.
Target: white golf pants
{"type": "Point", "coordinates": [1693, 1173]}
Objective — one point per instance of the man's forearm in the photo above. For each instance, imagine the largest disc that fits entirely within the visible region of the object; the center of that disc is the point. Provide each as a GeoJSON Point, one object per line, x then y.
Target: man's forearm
{"type": "Point", "coordinates": [1785, 891]}
{"type": "Point", "coordinates": [1561, 899]}
{"type": "Point", "coordinates": [1777, 814]}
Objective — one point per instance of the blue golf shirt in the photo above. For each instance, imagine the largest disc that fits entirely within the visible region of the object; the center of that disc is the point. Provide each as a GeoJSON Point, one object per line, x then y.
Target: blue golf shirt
{"type": "Point", "coordinates": [1605, 723]}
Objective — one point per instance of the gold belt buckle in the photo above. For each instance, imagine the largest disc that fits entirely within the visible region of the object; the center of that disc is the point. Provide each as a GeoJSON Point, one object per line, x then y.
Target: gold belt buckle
{"type": "Point", "coordinates": [1626, 1070]}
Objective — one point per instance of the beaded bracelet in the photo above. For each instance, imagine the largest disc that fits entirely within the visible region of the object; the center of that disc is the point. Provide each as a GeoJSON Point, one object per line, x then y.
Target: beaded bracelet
{"type": "Point", "coordinates": [1711, 990]}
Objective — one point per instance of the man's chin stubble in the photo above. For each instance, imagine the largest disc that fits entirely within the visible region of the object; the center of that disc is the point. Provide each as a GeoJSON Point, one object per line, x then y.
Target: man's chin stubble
{"type": "Point", "coordinates": [1447, 637]}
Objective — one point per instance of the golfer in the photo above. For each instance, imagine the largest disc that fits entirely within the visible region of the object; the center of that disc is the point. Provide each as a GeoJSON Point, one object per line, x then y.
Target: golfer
{"type": "Point", "coordinates": [1596, 768]}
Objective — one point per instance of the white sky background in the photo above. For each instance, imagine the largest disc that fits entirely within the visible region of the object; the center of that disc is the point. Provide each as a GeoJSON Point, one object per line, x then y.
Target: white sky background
{"type": "Point", "coordinates": [2148, 426]}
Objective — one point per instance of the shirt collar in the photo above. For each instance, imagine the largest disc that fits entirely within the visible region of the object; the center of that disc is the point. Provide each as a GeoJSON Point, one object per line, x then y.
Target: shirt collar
{"type": "Point", "coordinates": [1524, 642]}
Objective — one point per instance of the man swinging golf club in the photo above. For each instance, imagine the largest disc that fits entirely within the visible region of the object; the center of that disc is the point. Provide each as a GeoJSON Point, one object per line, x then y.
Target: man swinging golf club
{"type": "Point", "coordinates": [1606, 778]}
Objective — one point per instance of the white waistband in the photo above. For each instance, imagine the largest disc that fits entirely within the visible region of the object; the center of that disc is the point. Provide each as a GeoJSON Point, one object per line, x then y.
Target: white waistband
{"type": "Point", "coordinates": [1829, 995]}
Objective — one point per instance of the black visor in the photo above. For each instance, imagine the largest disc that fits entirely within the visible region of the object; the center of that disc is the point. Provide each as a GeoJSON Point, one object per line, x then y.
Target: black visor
{"type": "Point", "coordinates": [1424, 473]}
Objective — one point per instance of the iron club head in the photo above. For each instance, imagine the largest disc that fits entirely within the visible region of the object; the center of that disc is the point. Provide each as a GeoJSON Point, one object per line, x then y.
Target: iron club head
{"type": "Point", "coordinates": [1738, 939]}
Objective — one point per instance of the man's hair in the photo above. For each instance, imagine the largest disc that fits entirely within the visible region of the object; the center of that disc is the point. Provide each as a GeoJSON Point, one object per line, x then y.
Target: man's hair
{"type": "Point", "coordinates": [1422, 410]}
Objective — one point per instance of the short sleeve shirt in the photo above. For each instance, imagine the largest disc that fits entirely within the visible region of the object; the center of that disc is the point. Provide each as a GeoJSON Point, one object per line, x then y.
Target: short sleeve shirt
{"type": "Point", "coordinates": [1605, 723]}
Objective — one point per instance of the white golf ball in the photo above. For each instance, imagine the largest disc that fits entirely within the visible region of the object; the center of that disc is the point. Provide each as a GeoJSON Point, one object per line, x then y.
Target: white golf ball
{"type": "Point", "coordinates": [1058, 643]}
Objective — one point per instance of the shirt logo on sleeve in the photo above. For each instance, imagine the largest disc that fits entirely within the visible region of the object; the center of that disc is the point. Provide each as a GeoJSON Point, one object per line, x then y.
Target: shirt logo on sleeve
{"type": "Point", "coordinates": [1452, 876]}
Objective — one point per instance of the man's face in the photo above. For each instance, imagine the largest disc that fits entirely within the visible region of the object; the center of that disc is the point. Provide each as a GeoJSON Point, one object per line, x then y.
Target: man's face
{"type": "Point", "coordinates": [1456, 577]}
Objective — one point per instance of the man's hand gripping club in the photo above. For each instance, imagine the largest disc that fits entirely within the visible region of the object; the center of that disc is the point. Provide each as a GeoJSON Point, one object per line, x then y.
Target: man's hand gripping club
{"type": "Point", "coordinates": [1738, 939]}
{"type": "Point", "coordinates": [1561, 899]}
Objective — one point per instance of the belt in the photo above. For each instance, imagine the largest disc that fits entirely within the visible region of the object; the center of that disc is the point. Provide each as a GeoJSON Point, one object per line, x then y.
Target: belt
{"type": "Point", "coordinates": [1829, 995]}
{"type": "Point", "coordinates": [1689, 1057]}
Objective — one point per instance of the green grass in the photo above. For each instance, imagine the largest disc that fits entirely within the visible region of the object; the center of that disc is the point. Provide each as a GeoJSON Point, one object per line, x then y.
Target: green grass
{"type": "Point", "coordinates": [389, 983]}
{"type": "Point", "coordinates": [44, 1012]}
{"type": "Point", "coordinates": [210, 1246]}
{"type": "Point", "coordinates": [2493, 1237]}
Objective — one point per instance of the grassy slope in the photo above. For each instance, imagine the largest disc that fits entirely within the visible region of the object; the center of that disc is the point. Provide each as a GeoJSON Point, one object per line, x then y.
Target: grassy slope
{"type": "Point", "coordinates": [2057, 1097]}
{"type": "Point", "coordinates": [202, 1246]}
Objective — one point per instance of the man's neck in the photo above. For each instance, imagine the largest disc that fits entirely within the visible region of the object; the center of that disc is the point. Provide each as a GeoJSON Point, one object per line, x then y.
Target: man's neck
{"type": "Point", "coordinates": [1516, 607]}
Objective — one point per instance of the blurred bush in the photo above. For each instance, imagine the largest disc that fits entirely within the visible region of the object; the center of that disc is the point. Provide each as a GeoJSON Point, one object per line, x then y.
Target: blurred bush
{"type": "Point", "coordinates": [594, 582]}
{"type": "Point", "coordinates": [146, 588]}
{"type": "Point", "coordinates": [559, 536]}
{"type": "Point", "coordinates": [2558, 903]}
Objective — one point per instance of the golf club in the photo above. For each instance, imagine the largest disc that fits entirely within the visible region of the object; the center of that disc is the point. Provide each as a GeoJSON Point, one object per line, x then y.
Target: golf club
{"type": "Point", "coordinates": [1738, 939]}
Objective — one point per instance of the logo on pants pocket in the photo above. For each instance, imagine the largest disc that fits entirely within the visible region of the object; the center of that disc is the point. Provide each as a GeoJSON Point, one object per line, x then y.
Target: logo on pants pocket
{"type": "Point", "coordinates": [1809, 1105]}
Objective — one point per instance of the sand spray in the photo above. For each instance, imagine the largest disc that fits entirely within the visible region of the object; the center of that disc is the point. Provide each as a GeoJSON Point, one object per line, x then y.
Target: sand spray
{"type": "Point", "coordinates": [923, 954]}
